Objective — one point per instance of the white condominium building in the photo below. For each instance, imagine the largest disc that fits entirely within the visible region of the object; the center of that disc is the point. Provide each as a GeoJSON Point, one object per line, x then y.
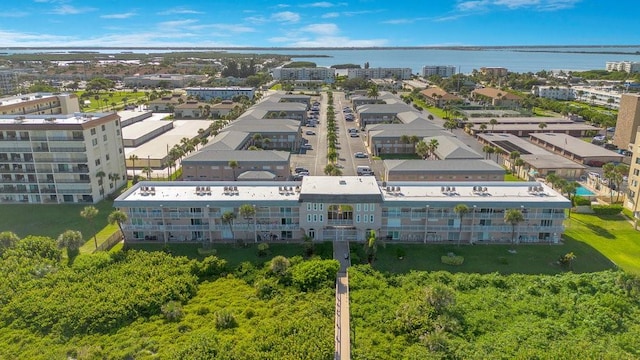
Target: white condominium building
{"type": "Point", "coordinates": [296, 74]}
{"type": "Point", "coordinates": [342, 208]}
{"type": "Point", "coordinates": [60, 159]}
{"type": "Point", "coordinates": [380, 73]}
{"type": "Point", "coordinates": [439, 70]}
{"type": "Point", "coordinates": [626, 66]}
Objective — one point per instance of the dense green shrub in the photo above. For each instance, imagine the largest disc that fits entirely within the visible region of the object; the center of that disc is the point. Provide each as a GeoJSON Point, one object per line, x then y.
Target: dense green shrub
{"type": "Point", "coordinates": [314, 274]}
{"type": "Point", "coordinates": [581, 201]}
{"type": "Point", "coordinates": [225, 320]}
{"type": "Point", "coordinates": [607, 209]}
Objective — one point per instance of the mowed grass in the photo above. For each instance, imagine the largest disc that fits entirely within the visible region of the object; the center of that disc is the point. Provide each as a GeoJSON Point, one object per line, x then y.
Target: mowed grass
{"type": "Point", "coordinates": [527, 259]}
{"type": "Point", "coordinates": [52, 220]}
{"type": "Point", "coordinates": [111, 98]}
{"type": "Point", "coordinates": [613, 236]}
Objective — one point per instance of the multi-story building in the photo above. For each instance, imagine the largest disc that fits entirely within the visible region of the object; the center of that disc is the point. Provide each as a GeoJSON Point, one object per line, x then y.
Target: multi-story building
{"type": "Point", "coordinates": [39, 104]}
{"type": "Point", "coordinates": [438, 97]}
{"type": "Point", "coordinates": [628, 121]}
{"type": "Point", "coordinates": [296, 74]}
{"type": "Point", "coordinates": [553, 92]}
{"type": "Point", "coordinates": [598, 95]}
{"type": "Point", "coordinates": [496, 97]}
{"type": "Point", "coordinates": [626, 66]}
{"type": "Point", "coordinates": [494, 71]}
{"type": "Point", "coordinates": [380, 73]}
{"type": "Point", "coordinates": [439, 70]}
{"type": "Point", "coordinates": [633, 192]}
{"type": "Point", "coordinates": [60, 159]}
{"type": "Point", "coordinates": [224, 93]}
{"type": "Point", "coordinates": [342, 209]}
{"type": "Point", "coordinates": [164, 80]}
{"type": "Point", "coordinates": [8, 82]}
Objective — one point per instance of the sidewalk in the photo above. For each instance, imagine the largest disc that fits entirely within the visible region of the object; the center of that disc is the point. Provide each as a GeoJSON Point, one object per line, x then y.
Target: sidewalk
{"type": "Point", "coordinates": [342, 330]}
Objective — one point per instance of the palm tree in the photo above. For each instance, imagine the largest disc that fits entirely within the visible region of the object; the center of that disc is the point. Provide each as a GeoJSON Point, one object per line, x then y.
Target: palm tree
{"type": "Point", "coordinates": [233, 164]}
{"type": "Point", "coordinates": [433, 146]}
{"type": "Point", "coordinates": [118, 217]}
{"type": "Point", "coordinates": [513, 217]}
{"type": "Point", "coordinates": [227, 218]}
{"type": "Point", "coordinates": [332, 155]}
{"type": "Point", "coordinates": [513, 156]}
{"type": "Point", "coordinates": [486, 149]}
{"type": "Point", "coordinates": [101, 175]}
{"type": "Point", "coordinates": [133, 158]}
{"type": "Point", "coordinates": [71, 240]}
{"type": "Point", "coordinates": [542, 125]}
{"type": "Point", "coordinates": [147, 171]}
{"type": "Point", "coordinates": [371, 246]}
{"type": "Point", "coordinates": [89, 213]}
{"type": "Point", "coordinates": [483, 127]}
{"type": "Point", "coordinates": [373, 92]}
{"type": "Point", "coordinates": [247, 211]}
{"type": "Point", "coordinates": [461, 210]}
{"type": "Point", "coordinates": [113, 177]}
{"type": "Point", "coordinates": [493, 123]}
{"type": "Point", "coordinates": [519, 163]}
{"type": "Point", "coordinates": [422, 149]}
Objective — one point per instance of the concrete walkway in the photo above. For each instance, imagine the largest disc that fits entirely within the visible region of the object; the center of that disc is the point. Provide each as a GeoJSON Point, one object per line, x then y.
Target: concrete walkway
{"type": "Point", "coordinates": [342, 330]}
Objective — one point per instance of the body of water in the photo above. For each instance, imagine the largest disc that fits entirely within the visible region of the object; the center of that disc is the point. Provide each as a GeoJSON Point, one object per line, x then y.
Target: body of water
{"type": "Point", "coordinates": [583, 191]}
{"type": "Point", "coordinates": [516, 59]}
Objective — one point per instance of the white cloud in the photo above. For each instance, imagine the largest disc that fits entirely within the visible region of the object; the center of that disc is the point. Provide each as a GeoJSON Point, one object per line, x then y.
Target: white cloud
{"type": "Point", "coordinates": [119, 16]}
{"type": "Point", "coordinates": [330, 15]}
{"type": "Point", "coordinates": [322, 29]}
{"type": "Point", "coordinates": [13, 14]}
{"type": "Point", "coordinates": [337, 41]}
{"type": "Point", "coordinates": [287, 17]}
{"type": "Point", "coordinates": [537, 5]}
{"type": "Point", "coordinates": [70, 10]}
{"type": "Point", "coordinates": [177, 23]}
{"type": "Point", "coordinates": [323, 4]}
{"type": "Point", "coordinates": [179, 11]}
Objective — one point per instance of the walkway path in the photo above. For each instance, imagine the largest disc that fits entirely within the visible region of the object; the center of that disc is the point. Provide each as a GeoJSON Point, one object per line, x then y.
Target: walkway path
{"type": "Point", "coordinates": [343, 342]}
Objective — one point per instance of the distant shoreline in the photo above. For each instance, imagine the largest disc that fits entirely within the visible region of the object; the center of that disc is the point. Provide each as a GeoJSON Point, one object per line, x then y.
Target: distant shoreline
{"type": "Point", "coordinates": [597, 49]}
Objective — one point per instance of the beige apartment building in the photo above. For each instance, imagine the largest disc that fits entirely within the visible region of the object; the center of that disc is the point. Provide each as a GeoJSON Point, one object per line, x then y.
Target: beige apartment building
{"type": "Point", "coordinates": [342, 208]}
{"type": "Point", "coordinates": [39, 104]}
{"type": "Point", "coordinates": [633, 193]}
{"type": "Point", "coordinates": [628, 121]}
{"type": "Point", "coordinates": [60, 159]}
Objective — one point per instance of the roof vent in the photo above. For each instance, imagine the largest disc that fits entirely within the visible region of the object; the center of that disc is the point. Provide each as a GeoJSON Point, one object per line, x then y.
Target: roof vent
{"type": "Point", "coordinates": [343, 182]}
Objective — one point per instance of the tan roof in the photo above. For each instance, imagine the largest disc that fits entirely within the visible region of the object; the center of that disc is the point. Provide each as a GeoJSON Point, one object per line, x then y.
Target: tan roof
{"type": "Point", "coordinates": [496, 94]}
{"type": "Point", "coordinates": [436, 91]}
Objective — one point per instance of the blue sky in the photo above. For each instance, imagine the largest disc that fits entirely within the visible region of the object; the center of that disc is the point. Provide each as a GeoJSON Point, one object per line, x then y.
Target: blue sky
{"type": "Point", "coordinates": [352, 23]}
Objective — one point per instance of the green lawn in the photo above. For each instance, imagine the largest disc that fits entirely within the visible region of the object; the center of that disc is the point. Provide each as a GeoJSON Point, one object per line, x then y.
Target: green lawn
{"type": "Point", "coordinates": [52, 220]}
{"type": "Point", "coordinates": [399, 157]}
{"type": "Point", "coordinates": [511, 177]}
{"type": "Point", "coordinates": [613, 236]}
{"type": "Point", "coordinates": [234, 254]}
{"type": "Point", "coordinates": [528, 259]}
{"type": "Point", "coordinates": [110, 97]}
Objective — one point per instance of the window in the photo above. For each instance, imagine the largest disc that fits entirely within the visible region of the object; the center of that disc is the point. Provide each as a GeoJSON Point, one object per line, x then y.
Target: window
{"type": "Point", "coordinates": [321, 207]}
{"type": "Point", "coordinates": [103, 127]}
{"type": "Point", "coordinates": [315, 207]}
{"type": "Point", "coordinates": [366, 207]}
{"type": "Point", "coordinates": [107, 157]}
{"type": "Point", "coordinates": [371, 218]}
{"type": "Point", "coordinates": [308, 206]}
{"type": "Point", "coordinates": [357, 218]}
{"type": "Point", "coordinates": [97, 162]}
{"type": "Point", "coordinates": [358, 207]}
{"type": "Point", "coordinates": [94, 142]}
{"type": "Point", "coordinates": [315, 218]}
{"type": "Point", "coordinates": [104, 138]}
{"type": "Point", "coordinates": [321, 218]}
{"type": "Point", "coordinates": [93, 131]}
{"type": "Point", "coordinates": [308, 217]}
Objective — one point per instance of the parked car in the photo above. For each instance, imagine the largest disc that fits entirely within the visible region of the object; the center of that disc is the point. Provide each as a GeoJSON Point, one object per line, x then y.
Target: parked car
{"type": "Point", "coordinates": [353, 135]}
{"type": "Point", "coordinates": [307, 146]}
{"type": "Point", "coordinates": [609, 146]}
{"type": "Point", "coordinates": [310, 132]}
{"type": "Point", "coordinates": [300, 169]}
{"type": "Point", "coordinates": [360, 155]}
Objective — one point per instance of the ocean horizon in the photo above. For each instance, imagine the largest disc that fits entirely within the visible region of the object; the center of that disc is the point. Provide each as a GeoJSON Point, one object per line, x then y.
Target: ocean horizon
{"type": "Point", "coordinates": [464, 58]}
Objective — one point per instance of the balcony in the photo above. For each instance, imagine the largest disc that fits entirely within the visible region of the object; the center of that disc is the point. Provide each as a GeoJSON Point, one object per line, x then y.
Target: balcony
{"type": "Point", "coordinates": [340, 222]}
{"type": "Point", "coordinates": [72, 170]}
{"type": "Point", "coordinates": [65, 138]}
{"type": "Point", "coordinates": [68, 149]}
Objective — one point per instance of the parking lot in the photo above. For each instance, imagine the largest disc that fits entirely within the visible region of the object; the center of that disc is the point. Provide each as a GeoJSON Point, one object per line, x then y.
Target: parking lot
{"type": "Point", "coordinates": [315, 159]}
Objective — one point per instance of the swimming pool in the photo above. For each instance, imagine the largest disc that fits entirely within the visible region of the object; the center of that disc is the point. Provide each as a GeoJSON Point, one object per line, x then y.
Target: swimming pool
{"type": "Point", "coordinates": [583, 191]}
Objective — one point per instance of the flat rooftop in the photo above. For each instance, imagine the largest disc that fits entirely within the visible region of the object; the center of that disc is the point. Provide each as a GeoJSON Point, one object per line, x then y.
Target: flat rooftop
{"type": "Point", "coordinates": [60, 119]}
{"type": "Point", "coordinates": [12, 100]}
{"type": "Point", "coordinates": [141, 128]}
{"type": "Point", "coordinates": [157, 148]}
{"type": "Point", "coordinates": [522, 120]}
{"type": "Point", "coordinates": [343, 190]}
{"type": "Point", "coordinates": [534, 127]}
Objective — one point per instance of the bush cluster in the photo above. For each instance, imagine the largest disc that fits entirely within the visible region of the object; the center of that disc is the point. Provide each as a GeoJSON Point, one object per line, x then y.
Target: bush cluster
{"type": "Point", "coordinates": [607, 209]}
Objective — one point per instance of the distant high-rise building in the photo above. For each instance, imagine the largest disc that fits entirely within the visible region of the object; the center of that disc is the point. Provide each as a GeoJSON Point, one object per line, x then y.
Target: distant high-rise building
{"type": "Point", "coordinates": [628, 121]}
{"type": "Point", "coordinates": [633, 191]}
{"type": "Point", "coordinates": [8, 82]}
{"type": "Point", "coordinates": [380, 73]}
{"type": "Point", "coordinates": [626, 66]}
{"type": "Point", "coordinates": [440, 70]}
